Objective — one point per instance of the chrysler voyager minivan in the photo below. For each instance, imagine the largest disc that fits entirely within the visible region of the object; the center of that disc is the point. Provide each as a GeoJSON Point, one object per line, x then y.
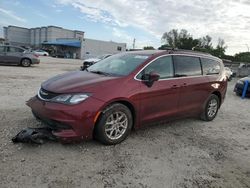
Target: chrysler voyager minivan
{"type": "Point", "coordinates": [130, 90]}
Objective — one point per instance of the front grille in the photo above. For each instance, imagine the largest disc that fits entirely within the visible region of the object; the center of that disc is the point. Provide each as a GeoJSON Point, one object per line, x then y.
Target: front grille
{"type": "Point", "coordinates": [52, 124]}
{"type": "Point", "coordinates": [46, 95]}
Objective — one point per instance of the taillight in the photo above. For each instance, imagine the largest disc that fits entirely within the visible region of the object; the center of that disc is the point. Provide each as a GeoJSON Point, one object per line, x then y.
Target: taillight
{"type": "Point", "coordinates": [36, 55]}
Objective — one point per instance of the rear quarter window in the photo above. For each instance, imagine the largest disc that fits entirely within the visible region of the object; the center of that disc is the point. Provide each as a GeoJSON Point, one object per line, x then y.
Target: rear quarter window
{"type": "Point", "coordinates": [14, 49]}
{"type": "Point", "coordinates": [210, 66]}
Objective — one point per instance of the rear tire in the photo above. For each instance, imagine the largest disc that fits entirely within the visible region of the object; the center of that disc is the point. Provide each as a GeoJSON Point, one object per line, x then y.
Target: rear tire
{"type": "Point", "coordinates": [114, 124]}
{"type": "Point", "coordinates": [211, 108]}
{"type": "Point", "coordinates": [26, 62]}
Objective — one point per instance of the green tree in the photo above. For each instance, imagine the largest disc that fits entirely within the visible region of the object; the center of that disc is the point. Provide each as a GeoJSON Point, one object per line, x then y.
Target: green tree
{"type": "Point", "coordinates": [181, 40]}
{"type": "Point", "coordinates": [220, 49]}
{"type": "Point", "coordinates": [242, 57]}
{"type": "Point", "coordinates": [204, 45]}
{"type": "Point", "coordinates": [164, 47]}
{"type": "Point", "coordinates": [206, 42]}
{"type": "Point", "coordinates": [184, 40]}
{"type": "Point", "coordinates": [148, 48]}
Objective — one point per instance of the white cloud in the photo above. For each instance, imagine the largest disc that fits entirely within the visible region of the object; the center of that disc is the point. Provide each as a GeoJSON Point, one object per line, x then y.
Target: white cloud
{"type": "Point", "coordinates": [12, 15]}
{"type": "Point", "coordinates": [123, 36]}
{"type": "Point", "coordinates": [228, 19]}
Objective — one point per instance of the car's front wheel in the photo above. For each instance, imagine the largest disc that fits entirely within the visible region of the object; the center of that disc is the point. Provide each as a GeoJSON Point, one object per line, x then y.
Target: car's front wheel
{"type": "Point", "coordinates": [114, 124]}
{"type": "Point", "coordinates": [211, 108]}
{"type": "Point", "coordinates": [25, 62]}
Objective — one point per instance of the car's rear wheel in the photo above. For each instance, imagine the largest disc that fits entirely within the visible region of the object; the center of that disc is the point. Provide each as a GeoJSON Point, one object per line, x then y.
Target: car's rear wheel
{"type": "Point", "coordinates": [211, 108]}
{"type": "Point", "coordinates": [114, 124]}
{"type": "Point", "coordinates": [25, 62]}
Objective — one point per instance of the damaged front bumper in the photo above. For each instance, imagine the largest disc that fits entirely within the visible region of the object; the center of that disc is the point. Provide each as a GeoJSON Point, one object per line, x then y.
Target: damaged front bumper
{"type": "Point", "coordinates": [34, 135]}
{"type": "Point", "coordinates": [68, 122]}
{"type": "Point", "coordinates": [59, 129]}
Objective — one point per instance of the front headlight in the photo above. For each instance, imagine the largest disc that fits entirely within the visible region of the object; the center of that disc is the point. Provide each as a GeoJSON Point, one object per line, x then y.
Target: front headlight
{"type": "Point", "coordinates": [70, 98]}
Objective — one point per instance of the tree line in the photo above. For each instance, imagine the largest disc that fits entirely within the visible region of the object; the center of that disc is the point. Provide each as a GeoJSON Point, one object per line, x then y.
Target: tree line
{"type": "Point", "coordinates": [184, 40]}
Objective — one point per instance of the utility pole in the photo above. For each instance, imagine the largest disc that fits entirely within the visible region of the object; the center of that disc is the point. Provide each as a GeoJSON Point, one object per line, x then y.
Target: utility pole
{"type": "Point", "coordinates": [134, 43]}
{"type": "Point", "coordinates": [247, 47]}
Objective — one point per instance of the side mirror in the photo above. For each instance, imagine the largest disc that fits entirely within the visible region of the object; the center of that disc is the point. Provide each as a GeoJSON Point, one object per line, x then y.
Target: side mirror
{"type": "Point", "coordinates": [150, 78]}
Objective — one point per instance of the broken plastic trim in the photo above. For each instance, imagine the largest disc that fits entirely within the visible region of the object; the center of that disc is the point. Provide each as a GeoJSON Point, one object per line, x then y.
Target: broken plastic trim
{"type": "Point", "coordinates": [34, 135]}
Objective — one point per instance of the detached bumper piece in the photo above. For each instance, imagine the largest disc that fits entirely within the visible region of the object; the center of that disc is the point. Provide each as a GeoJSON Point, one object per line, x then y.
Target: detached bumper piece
{"type": "Point", "coordinates": [34, 135]}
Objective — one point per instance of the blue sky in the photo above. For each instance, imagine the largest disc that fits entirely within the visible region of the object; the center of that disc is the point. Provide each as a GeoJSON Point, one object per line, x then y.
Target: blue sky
{"type": "Point", "coordinates": [28, 13]}
{"type": "Point", "coordinates": [144, 20]}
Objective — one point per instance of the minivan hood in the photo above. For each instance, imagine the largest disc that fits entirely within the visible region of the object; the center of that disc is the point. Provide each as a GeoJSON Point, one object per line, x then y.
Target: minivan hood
{"type": "Point", "coordinates": [76, 81]}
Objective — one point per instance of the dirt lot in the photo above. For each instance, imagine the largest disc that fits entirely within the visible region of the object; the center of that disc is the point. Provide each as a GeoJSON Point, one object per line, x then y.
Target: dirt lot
{"type": "Point", "coordinates": [184, 153]}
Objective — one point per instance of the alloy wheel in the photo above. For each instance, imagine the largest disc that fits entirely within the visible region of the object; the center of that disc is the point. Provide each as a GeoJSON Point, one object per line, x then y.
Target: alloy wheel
{"type": "Point", "coordinates": [26, 62]}
{"type": "Point", "coordinates": [116, 125]}
{"type": "Point", "coordinates": [212, 108]}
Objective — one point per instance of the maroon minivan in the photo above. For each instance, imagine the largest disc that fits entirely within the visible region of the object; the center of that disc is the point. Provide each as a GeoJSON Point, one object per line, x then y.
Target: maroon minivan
{"type": "Point", "coordinates": [129, 90]}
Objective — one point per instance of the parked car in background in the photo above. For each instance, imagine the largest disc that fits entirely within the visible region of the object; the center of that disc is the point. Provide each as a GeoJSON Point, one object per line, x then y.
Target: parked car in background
{"type": "Point", "coordinates": [91, 61]}
{"type": "Point", "coordinates": [41, 53]}
{"type": "Point", "coordinates": [229, 73]}
{"type": "Point", "coordinates": [239, 86]}
{"type": "Point", "coordinates": [13, 55]}
{"type": "Point", "coordinates": [129, 90]}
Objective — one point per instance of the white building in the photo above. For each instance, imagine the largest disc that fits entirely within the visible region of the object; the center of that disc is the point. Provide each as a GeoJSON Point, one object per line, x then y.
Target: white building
{"type": "Point", "coordinates": [60, 42]}
{"type": "Point", "coordinates": [93, 48]}
{"type": "Point", "coordinates": [35, 37]}
{"type": "Point", "coordinates": [14, 35]}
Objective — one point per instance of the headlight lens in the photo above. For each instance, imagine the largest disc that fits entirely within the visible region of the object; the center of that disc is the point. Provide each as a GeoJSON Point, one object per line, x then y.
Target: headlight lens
{"type": "Point", "coordinates": [71, 98]}
{"type": "Point", "coordinates": [75, 99]}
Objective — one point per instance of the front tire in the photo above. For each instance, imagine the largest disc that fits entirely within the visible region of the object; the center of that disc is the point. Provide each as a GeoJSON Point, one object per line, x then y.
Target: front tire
{"type": "Point", "coordinates": [211, 108]}
{"type": "Point", "coordinates": [26, 62]}
{"type": "Point", "coordinates": [114, 124]}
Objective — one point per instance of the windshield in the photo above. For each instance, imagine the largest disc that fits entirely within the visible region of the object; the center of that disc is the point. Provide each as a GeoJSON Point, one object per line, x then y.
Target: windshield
{"type": "Point", "coordinates": [119, 65]}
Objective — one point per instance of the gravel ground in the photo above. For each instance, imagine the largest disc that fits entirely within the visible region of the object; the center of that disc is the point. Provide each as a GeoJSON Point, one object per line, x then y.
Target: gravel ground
{"type": "Point", "coordinates": [184, 153]}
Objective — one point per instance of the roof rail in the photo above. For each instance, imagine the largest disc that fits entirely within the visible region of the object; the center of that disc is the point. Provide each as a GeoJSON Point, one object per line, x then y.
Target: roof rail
{"type": "Point", "coordinates": [184, 50]}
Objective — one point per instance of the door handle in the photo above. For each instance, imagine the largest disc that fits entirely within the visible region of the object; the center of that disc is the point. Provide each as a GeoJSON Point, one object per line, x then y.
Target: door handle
{"type": "Point", "coordinates": [174, 87]}
{"type": "Point", "coordinates": [184, 85]}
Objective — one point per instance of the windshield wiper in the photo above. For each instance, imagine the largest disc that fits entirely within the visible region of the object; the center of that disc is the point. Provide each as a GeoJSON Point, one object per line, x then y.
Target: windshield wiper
{"type": "Point", "coordinates": [100, 72]}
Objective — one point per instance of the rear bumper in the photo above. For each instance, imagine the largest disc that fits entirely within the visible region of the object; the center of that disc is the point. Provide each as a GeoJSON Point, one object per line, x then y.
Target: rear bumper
{"type": "Point", "coordinates": [35, 61]}
{"type": "Point", "coordinates": [68, 122]}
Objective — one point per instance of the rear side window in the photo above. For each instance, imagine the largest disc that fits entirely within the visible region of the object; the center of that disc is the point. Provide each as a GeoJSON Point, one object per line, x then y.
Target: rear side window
{"type": "Point", "coordinates": [13, 49]}
{"type": "Point", "coordinates": [210, 66]}
{"type": "Point", "coordinates": [162, 66]}
{"type": "Point", "coordinates": [187, 66]}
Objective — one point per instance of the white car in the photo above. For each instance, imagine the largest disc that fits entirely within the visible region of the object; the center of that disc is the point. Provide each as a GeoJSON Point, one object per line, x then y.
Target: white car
{"type": "Point", "coordinates": [96, 59]}
{"type": "Point", "coordinates": [229, 73]}
{"type": "Point", "coordinates": [41, 52]}
{"type": "Point", "coordinates": [91, 61]}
